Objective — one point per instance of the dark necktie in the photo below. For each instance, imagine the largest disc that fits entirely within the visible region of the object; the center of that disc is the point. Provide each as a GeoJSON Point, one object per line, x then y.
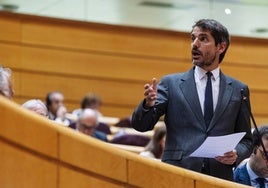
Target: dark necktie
{"type": "Point", "coordinates": [261, 182]}
{"type": "Point", "coordinates": [208, 105]}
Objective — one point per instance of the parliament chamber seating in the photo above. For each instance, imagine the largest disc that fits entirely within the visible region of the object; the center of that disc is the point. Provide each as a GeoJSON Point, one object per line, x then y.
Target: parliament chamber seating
{"type": "Point", "coordinates": [47, 54]}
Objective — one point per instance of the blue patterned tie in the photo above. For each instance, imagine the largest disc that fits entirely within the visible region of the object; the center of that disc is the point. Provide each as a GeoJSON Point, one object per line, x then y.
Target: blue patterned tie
{"type": "Point", "coordinates": [208, 105]}
{"type": "Point", "coordinates": [261, 182]}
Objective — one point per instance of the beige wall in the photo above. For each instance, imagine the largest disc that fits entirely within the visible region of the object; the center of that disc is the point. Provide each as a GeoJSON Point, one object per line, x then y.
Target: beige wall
{"type": "Point", "coordinates": [74, 57]}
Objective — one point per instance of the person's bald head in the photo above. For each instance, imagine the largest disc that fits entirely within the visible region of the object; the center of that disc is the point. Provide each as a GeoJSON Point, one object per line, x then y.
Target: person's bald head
{"type": "Point", "coordinates": [87, 121]}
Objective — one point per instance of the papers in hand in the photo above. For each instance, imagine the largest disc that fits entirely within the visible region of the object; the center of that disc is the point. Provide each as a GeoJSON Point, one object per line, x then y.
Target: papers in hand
{"type": "Point", "coordinates": [218, 145]}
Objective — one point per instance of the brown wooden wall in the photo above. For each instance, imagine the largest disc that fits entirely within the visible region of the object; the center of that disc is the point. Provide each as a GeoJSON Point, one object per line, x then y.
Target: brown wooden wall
{"type": "Point", "coordinates": [49, 54]}
{"type": "Point", "coordinates": [38, 153]}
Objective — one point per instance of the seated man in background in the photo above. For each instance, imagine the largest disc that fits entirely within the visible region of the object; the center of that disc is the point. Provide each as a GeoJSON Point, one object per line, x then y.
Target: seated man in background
{"type": "Point", "coordinates": [37, 106]}
{"type": "Point", "coordinates": [92, 101]}
{"type": "Point", "coordinates": [56, 109]}
{"type": "Point", "coordinates": [255, 171]}
{"type": "Point", "coordinates": [6, 88]}
{"type": "Point", "coordinates": [87, 123]}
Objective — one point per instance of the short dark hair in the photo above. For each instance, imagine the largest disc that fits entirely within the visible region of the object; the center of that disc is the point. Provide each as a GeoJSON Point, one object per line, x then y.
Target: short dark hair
{"type": "Point", "coordinates": [154, 144]}
{"type": "Point", "coordinates": [90, 100]}
{"type": "Point", "coordinates": [49, 98]}
{"type": "Point", "coordinates": [218, 32]}
{"type": "Point", "coordinates": [263, 130]}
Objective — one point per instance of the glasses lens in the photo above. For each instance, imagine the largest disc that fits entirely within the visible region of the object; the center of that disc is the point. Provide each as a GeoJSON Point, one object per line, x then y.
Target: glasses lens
{"type": "Point", "coordinates": [264, 155]}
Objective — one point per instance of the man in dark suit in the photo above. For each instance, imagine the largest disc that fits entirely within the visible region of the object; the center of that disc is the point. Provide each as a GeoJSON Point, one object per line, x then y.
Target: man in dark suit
{"type": "Point", "coordinates": [192, 113]}
{"type": "Point", "coordinates": [256, 168]}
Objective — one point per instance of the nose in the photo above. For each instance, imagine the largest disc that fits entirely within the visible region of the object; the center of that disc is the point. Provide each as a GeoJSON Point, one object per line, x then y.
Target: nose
{"type": "Point", "coordinates": [195, 42]}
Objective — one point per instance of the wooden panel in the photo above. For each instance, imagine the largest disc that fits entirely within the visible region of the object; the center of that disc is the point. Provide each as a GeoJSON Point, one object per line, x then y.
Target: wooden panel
{"type": "Point", "coordinates": [10, 28]}
{"type": "Point", "coordinates": [254, 77]}
{"type": "Point", "coordinates": [104, 37]}
{"type": "Point", "coordinates": [112, 66]}
{"type": "Point", "coordinates": [119, 93]}
{"type": "Point", "coordinates": [258, 102]}
{"type": "Point", "coordinates": [249, 52]}
{"type": "Point", "coordinates": [75, 88]}
{"type": "Point", "coordinates": [260, 120]}
{"type": "Point", "coordinates": [150, 175]}
{"type": "Point", "coordinates": [113, 61]}
{"type": "Point", "coordinates": [154, 42]}
{"type": "Point", "coordinates": [87, 63]}
{"type": "Point", "coordinates": [20, 169]}
{"type": "Point", "coordinates": [70, 178]}
{"type": "Point", "coordinates": [116, 111]}
{"type": "Point", "coordinates": [92, 155]}
{"type": "Point", "coordinates": [26, 133]}
{"type": "Point", "coordinates": [10, 55]}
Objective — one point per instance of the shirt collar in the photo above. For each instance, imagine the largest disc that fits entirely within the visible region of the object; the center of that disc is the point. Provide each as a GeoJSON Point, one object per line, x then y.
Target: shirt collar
{"type": "Point", "coordinates": [251, 174]}
{"type": "Point", "coordinates": [201, 73]}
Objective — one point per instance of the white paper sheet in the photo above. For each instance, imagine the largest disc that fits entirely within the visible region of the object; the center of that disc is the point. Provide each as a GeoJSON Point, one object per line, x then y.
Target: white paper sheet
{"type": "Point", "coordinates": [218, 145]}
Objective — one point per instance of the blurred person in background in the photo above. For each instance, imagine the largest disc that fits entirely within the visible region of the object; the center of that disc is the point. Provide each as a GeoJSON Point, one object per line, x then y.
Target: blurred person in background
{"type": "Point", "coordinates": [56, 109]}
{"type": "Point", "coordinates": [87, 123]}
{"type": "Point", "coordinates": [36, 106]}
{"type": "Point", "coordinates": [92, 101]}
{"type": "Point", "coordinates": [155, 147]}
{"type": "Point", "coordinates": [6, 87]}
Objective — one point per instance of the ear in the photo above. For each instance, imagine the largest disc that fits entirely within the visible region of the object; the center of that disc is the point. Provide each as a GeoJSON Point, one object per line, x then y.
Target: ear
{"type": "Point", "coordinates": [221, 47]}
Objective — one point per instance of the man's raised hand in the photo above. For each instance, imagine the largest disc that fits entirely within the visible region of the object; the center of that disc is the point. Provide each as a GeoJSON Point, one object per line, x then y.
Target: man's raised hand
{"type": "Point", "coordinates": [150, 93]}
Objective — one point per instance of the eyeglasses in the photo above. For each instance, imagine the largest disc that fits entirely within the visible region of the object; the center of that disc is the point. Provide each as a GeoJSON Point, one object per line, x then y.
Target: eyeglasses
{"type": "Point", "coordinates": [264, 155]}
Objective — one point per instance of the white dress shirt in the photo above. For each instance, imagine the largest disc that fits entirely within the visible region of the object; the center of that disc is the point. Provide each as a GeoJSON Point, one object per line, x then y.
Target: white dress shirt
{"type": "Point", "coordinates": [201, 81]}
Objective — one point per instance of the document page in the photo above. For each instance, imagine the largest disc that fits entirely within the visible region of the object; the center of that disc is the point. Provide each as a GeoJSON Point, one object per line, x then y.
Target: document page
{"type": "Point", "coordinates": [218, 145]}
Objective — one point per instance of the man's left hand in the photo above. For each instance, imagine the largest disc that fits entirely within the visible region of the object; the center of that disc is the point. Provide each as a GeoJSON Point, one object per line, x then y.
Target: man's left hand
{"type": "Point", "coordinates": [229, 158]}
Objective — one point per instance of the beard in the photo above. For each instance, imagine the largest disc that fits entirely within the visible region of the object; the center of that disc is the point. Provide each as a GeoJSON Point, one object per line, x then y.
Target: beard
{"type": "Point", "coordinates": [204, 61]}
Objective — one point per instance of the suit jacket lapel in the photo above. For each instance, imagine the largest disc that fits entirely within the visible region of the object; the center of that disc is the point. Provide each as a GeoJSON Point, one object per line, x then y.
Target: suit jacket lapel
{"type": "Point", "coordinates": [243, 176]}
{"type": "Point", "coordinates": [189, 91]}
{"type": "Point", "coordinates": [225, 93]}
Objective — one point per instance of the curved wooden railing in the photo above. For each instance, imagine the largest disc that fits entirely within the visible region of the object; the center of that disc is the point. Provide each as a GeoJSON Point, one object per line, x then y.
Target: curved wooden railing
{"type": "Point", "coordinates": [36, 152]}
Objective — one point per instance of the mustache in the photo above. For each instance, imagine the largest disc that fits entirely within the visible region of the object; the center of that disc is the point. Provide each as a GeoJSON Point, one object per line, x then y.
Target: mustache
{"type": "Point", "coordinates": [196, 52]}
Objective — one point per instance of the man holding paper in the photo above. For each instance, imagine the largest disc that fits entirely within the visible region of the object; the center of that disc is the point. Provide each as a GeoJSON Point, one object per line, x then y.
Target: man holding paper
{"type": "Point", "coordinates": [197, 104]}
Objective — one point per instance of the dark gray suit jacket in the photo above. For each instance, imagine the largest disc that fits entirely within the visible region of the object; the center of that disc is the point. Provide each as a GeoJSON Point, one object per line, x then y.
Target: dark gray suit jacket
{"type": "Point", "coordinates": [178, 100]}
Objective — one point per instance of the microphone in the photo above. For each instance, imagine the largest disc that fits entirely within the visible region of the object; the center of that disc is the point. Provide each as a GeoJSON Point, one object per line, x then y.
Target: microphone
{"type": "Point", "coordinates": [245, 99]}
